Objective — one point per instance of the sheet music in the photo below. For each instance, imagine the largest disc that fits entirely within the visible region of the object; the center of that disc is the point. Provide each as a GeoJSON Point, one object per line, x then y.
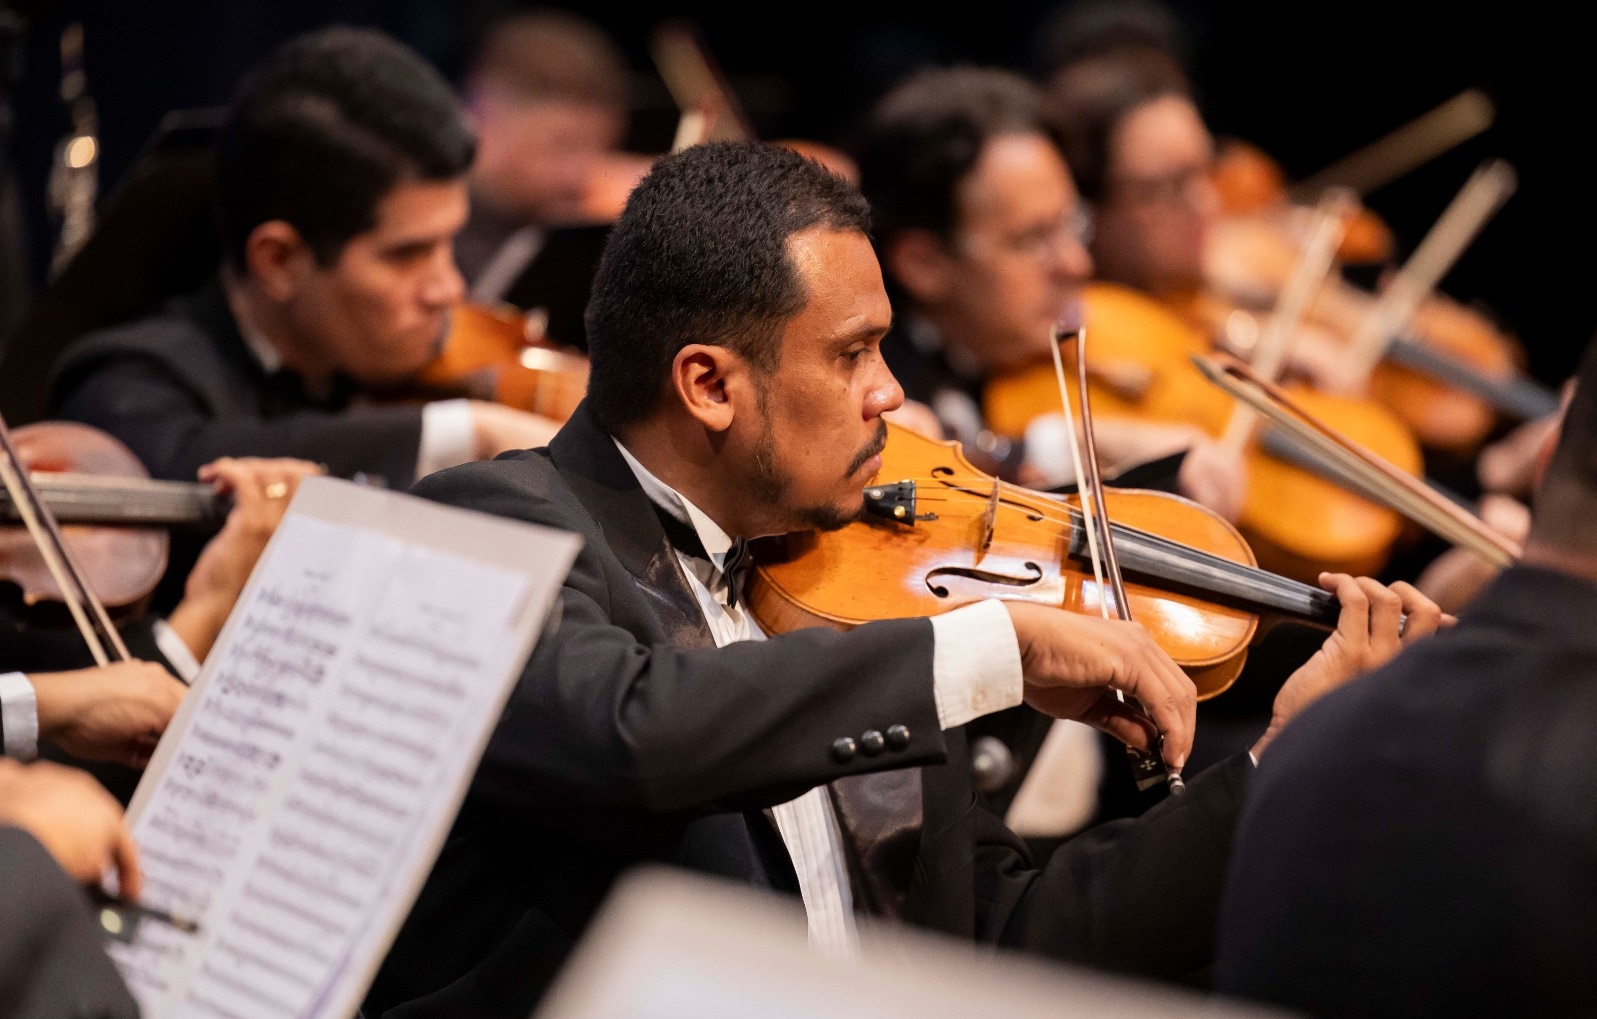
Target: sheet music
{"type": "Point", "coordinates": [302, 793]}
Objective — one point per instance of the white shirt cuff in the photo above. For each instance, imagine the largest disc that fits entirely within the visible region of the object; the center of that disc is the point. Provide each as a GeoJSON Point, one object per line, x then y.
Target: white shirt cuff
{"type": "Point", "coordinates": [177, 653]}
{"type": "Point", "coordinates": [447, 436]}
{"type": "Point", "coordinates": [19, 716]}
{"type": "Point", "coordinates": [975, 663]}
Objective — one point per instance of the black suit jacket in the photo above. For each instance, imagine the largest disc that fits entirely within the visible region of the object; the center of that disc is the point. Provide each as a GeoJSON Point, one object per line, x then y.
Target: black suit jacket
{"type": "Point", "coordinates": [181, 389]}
{"type": "Point", "coordinates": [1423, 842]}
{"type": "Point", "coordinates": [630, 737]}
{"type": "Point", "coordinates": [52, 954]}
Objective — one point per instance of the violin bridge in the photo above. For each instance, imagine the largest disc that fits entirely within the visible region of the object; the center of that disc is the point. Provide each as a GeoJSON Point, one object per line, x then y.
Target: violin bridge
{"type": "Point", "coordinates": [895, 502]}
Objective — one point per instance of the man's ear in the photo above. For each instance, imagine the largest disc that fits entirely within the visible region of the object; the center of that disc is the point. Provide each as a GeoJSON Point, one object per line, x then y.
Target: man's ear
{"type": "Point", "coordinates": [922, 265]}
{"type": "Point", "coordinates": [708, 380]}
{"type": "Point", "coordinates": [277, 258]}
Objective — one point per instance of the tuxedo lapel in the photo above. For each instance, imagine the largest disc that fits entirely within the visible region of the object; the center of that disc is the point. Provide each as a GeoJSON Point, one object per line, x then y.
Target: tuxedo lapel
{"type": "Point", "coordinates": [587, 457]}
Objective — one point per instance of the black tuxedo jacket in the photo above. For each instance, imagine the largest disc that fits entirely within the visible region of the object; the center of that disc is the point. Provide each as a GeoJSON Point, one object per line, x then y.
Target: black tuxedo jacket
{"type": "Point", "coordinates": [52, 954]}
{"type": "Point", "coordinates": [630, 737]}
{"type": "Point", "coordinates": [181, 389]}
{"type": "Point", "coordinates": [1423, 842]}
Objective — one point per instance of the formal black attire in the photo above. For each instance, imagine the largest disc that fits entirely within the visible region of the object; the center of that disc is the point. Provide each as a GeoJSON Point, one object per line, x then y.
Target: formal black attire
{"type": "Point", "coordinates": [1423, 842]}
{"type": "Point", "coordinates": [52, 954]}
{"type": "Point", "coordinates": [181, 388]}
{"type": "Point", "coordinates": [631, 738]}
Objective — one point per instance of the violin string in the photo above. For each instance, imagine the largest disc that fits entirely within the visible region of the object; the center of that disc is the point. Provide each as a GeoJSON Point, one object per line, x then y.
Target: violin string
{"type": "Point", "coordinates": [1239, 570]}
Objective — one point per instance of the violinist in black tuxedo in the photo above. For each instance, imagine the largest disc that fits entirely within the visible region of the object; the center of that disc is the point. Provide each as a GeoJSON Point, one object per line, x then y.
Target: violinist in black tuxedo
{"type": "Point", "coordinates": [737, 390]}
{"type": "Point", "coordinates": [341, 184]}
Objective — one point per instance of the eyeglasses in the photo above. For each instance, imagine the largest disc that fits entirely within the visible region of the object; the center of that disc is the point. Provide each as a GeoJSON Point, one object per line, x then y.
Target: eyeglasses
{"type": "Point", "coordinates": [1175, 188]}
{"type": "Point", "coordinates": [1042, 242]}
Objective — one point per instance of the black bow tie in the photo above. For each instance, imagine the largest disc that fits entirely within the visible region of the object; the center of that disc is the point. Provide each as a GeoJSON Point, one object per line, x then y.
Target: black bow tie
{"type": "Point", "coordinates": [685, 539]}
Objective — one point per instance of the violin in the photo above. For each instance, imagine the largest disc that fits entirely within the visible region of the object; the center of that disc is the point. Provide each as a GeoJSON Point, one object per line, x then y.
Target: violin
{"type": "Point", "coordinates": [115, 519]}
{"type": "Point", "coordinates": [500, 354]}
{"type": "Point", "coordinates": [1297, 515]}
{"type": "Point", "coordinates": [947, 535]}
{"type": "Point", "coordinates": [1252, 185]}
{"type": "Point", "coordinates": [1448, 376]}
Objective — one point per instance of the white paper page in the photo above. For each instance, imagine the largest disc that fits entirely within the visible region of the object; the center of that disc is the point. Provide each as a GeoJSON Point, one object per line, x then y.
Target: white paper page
{"type": "Point", "coordinates": [300, 799]}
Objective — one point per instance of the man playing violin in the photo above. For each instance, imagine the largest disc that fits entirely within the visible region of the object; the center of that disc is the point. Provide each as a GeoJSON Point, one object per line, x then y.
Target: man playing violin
{"type": "Point", "coordinates": [50, 691]}
{"type": "Point", "coordinates": [341, 183]}
{"type": "Point", "coordinates": [983, 240]}
{"type": "Point", "coordinates": [738, 390]}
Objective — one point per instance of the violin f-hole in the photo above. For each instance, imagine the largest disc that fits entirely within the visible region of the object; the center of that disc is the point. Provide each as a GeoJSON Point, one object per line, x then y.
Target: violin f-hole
{"type": "Point", "coordinates": [982, 577]}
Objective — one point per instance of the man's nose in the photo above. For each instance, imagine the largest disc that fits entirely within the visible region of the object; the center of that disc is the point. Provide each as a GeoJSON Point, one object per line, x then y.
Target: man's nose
{"type": "Point", "coordinates": [444, 287]}
{"type": "Point", "coordinates": [1072, 262]}
{"type": "Point", "coordinates": [884, 395]}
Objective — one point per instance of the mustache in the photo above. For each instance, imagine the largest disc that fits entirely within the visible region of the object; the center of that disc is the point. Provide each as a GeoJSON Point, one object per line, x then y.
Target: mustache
{"type": "Point", "coordinates": [876, 446]}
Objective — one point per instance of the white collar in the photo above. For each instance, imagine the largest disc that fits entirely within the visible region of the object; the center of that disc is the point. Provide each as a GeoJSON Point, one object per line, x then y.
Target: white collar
{"type": "Point", "coordinates": [260, 348]}
{"type": "Point", "coordinates": [715, 540]}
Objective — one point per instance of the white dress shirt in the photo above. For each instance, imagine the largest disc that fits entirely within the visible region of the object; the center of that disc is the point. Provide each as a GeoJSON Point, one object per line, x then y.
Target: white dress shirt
{"type": "Point", "coordinates": [975, 670]}
{"type": "Point", "coordinates": [19, 702]}
{"type": "Point", "coordinates": [447, 432]}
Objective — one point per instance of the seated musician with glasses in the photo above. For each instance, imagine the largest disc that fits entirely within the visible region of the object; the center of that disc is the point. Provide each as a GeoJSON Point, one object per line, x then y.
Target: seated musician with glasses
{"type": "Point", "coordinates": [1144, 160]}
{"type": "Point", "coordinates": [738, 390]}
{"type": "Point", "coordinates": [983, 239]}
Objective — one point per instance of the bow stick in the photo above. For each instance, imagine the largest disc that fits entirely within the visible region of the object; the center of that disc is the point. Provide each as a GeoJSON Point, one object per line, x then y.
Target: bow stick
{"type": "Point", "coordinates": [1383, 482]}
{"type": "Point", "coordinates": [80, 599]}
{"type": "Point", "coordinates": [1147, 768]}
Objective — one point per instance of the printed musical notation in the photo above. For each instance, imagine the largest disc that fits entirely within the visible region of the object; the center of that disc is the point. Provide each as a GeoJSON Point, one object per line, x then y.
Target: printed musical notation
{"type": "Point", "coordinates": [323, 754]}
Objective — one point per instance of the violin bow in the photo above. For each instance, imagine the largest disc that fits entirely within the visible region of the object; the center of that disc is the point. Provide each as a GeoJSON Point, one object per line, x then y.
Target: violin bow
{"type": "Point", "coordinates": [1386, 484]}
{"type": "Point", "coordinates": [1408, 147]}
{"type": "Point", "coordinates": [1148, 769]}
{"type": "Point", "coordinates": [1314, 264]}
{"type": "Point", "coordinates": [710, 109]}
{"type": "Point", "coordinates": [1492, 184]}
{"type": "Point", "coordinates": [80, 599]}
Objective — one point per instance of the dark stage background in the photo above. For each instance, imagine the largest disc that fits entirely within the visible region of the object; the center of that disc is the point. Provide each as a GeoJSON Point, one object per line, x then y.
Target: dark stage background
{"type": "Point", "coordinates": [1308, 82]}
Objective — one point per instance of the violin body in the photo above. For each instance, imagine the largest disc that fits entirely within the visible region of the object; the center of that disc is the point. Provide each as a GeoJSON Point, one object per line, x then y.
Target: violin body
{"type": "Point", "coordinates": [869, 570]}
{"type": "Point", "coordinates": [1249, 260]}
{"type": "Point", "coordinates": [1297, 522]}
{"type": "Point", "coordinates": [121, 563]}
{"type": "Point", "coordinates": [499, 354]}
{"type": "Point", "coordinates": [1252, 184]}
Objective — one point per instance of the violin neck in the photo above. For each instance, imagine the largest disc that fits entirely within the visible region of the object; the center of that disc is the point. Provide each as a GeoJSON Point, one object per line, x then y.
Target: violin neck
{"type": "Point", "coordinates": [78, 499]}
{"type": "Point", "coordinates": [1515, 396]}
{"type": "Point", "coordinates": [1214, 577]}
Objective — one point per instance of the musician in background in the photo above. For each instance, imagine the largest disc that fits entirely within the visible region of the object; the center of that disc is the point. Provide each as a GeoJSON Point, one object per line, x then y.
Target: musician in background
{"type": "Point", "coordinates": [1444, 807]}
{"type": "Point", "coordinates": [548, 94]}
{"type": "Point", "coordinates": [341, 180]}
{"type": "Point", "coordinates": [1144, 160]}
{"type": "Point", "coordinates": [983, 240]}
{"type": "Point", "coordinates": [50, 690]}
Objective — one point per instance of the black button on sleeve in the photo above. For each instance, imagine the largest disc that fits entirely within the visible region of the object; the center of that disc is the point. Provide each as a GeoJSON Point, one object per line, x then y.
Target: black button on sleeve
{"type": "Point", "coordinates": [872, 743]}
{"type": "Point", "coordinates": [843, 750]}
{"type": "Point", "coordinates": [898, 736]}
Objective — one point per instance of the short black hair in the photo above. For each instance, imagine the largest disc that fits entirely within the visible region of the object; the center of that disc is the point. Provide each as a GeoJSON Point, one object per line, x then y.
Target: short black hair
{"type": "Point", "coordinates": [1565, 507]}
{"type": "Point", "coordinates": [1087, 100]}
{"type": "Point", "coordinates": [922, 138]}
{"type": "Point", "coordinates": [700, 255]}
{"type": "Point", "coordinates": [324, 129]}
